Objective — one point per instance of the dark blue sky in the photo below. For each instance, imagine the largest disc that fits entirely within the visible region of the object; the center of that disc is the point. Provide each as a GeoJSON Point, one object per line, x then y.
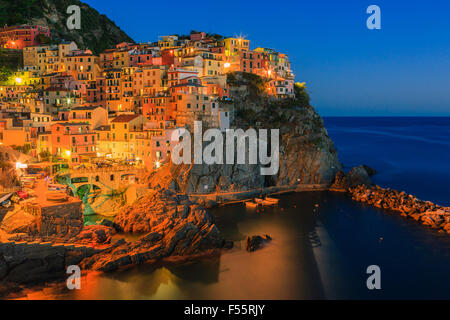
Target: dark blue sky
{"type": "Point", "coordinates": [402, 69]}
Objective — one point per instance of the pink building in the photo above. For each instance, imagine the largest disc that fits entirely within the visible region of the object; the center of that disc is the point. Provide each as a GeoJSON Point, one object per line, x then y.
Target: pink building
{"type": "Point", "coordinates": [19, 37]}
{"type": "Point", "coordinates": [73, 141]}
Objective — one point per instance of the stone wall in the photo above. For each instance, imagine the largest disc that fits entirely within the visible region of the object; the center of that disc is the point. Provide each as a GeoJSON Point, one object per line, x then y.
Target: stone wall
{"type": "Point", "coordinates": [61, 219]}
{"type": "Point", "coordinates": [25, 262]}
{"type": "Point", "coordinates": [107, 178]}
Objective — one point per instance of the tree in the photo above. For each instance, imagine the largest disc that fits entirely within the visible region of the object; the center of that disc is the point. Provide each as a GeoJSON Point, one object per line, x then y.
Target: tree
{"type": "Point", "coordinates": [301, 95]}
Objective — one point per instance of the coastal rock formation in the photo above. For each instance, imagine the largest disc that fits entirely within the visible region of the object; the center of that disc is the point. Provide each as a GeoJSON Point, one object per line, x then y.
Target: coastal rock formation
{"type": "Point", "coordinates": [307, 154]}
{"type": "Point", "coordinates": [340, 183]}
{"type": "Point", "coordinates": [155, 208]}
{"type": "Point", "coordinates": [174, 227]}
{"type": "Point", "coordinates": [425, 212]}
{"type": "Point", "coordinates": [33, 262]}
{"type": "Point", "coordinates": [95, 235]}
{"type": "Point", "coordinates": [359, 176]}
{"type": "Point", "coordinates": [257, 242]}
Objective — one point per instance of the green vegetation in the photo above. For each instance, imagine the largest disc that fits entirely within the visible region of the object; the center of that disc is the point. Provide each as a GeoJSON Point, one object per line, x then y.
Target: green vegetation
{"type": "Point", "coordinates": [5, 73]}
{"type": "Point", "coordinates": [97, 31]}
{"type": "Point", "coordinates": [255, 84]}
{"type": "Point", "coordinates": [26, 148]}
{"type": "Point", "coordinates": [301, 95]}
{"type": "Point", "coordinates": [10, 61]}
{"type": "Point", "coordinates": [20, 12]}
{"type": "Point", "coordinates": [45, 156]}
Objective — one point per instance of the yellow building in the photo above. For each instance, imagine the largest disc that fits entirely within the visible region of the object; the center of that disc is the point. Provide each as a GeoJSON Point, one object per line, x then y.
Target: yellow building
{"type": "Point", "coordinates": [83, 66]}
{"type": "Point", "coordinates": [234, 45]}
{"type": "Point", "coordinates": [121, 58]}
{"type": "Point", "coordinates": [118, 140]}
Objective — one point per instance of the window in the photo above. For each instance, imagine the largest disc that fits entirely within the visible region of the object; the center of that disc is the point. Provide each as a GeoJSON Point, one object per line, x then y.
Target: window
{"type": "Point", "coordinates": [111, 177]}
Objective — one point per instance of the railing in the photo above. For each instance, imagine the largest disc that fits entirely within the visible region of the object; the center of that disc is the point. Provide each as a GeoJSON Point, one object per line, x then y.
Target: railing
{"type": "Point", "coordinates": [115, 168]}
{"type": "Point", "coordinates": [10, 189]}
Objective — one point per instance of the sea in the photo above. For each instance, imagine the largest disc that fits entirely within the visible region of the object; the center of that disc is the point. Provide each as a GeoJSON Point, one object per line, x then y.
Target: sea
{"type": "Point", "coordinates": [325, 245]}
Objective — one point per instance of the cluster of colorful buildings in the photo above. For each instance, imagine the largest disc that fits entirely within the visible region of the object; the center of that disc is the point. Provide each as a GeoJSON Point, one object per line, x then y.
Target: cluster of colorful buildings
{"type": "Point", "coordinates": [125, 102]}
{"type": "Point", "coordinates": [19, 37]}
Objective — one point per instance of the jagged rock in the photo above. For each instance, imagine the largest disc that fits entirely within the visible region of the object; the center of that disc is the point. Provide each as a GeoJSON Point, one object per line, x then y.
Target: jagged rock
{"type": "Point", "coordinates": [425, 212]}
{"type": "Point", "coordinates": [95, 235]}
{"type": "Point", "coordinates": [107, 223]}
{"type": "Point", "coordinates": [370, 171]}
{"type": "Point", "coordinates": [3, 267]}
{"type": "Point", "coordinates": [340, 182]}
{"type": "Point", "coordinates": [257, 242]}
{"type": "Point", "coordinates": [307, 154]}
{"type": "Point", "coordinates": [228, 244]}
{"type": "Point", "coordinates": [174, 226]}
{"type": "Point", "coordinates": [358, 176]}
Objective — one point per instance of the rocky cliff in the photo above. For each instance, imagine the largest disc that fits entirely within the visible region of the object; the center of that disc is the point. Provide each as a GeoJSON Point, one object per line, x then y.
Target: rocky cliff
{"type": "Point", "coordinates": [173, 226]}
{"type": "Point", "coordinates": [97, 31]}
{"type": "Point", "coordinates": [307, 154]}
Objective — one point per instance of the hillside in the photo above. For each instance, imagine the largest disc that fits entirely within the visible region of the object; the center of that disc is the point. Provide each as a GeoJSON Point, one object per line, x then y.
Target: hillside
{"type": "Point", "coordinates": [97, 31]}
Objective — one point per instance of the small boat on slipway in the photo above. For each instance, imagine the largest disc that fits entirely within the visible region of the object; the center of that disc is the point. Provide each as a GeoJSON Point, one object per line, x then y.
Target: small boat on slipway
{"type": "Point", "coordinates": [266, 202]}
{"type": "Point", "coordinates": [251, 204]}
{"type": "Point", "coordinates": [261, 202]}
{"type": "Point", "coordinates": [272, 200]}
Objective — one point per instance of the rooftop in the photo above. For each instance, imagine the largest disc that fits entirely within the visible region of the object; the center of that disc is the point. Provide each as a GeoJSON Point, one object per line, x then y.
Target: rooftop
{"type": "Point", "coordinates": [126, 117]}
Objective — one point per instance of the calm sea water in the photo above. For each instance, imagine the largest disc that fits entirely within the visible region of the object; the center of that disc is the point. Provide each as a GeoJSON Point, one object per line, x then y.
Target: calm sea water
{"type": "Point", "coordinates": [323, 242]}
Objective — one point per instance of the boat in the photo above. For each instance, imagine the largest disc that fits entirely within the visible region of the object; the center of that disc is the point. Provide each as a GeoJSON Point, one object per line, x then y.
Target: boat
{"type": "Point", "coordinates": [272, 200]}
{"type": "Point", "coordinates": [264, 202]}
{"type": "Point", "coordinates": [251, 204]}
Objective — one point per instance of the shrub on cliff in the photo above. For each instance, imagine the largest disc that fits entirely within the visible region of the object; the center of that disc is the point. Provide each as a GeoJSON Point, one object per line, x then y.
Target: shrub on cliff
{"type": "Point", "coordinates": [301, 95]}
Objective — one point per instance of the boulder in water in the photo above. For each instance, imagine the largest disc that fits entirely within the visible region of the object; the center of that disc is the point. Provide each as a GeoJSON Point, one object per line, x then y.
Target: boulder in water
{"type": "Point", "coordinates": [257, 242]}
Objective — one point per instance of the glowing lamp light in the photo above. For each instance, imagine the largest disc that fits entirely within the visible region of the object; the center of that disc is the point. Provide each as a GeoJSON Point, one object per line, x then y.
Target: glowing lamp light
{"type": "Point", "coordinates": [158, 164]}
{"type": "Point", "coordinates": [68, 153]}
{"type": "Point", "coordinates": [68, 100]}
{"type": "Point", "coordinates": [98, 154]}
{"type": "Point", "coordinates": [226, 65]}
{"type": "Point", "coordinates": [18, 80]}
{"type": "Point", "coordinates": [20, 165]}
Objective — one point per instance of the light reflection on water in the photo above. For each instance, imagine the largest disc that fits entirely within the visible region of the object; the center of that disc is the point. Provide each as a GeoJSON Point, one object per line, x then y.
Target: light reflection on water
{"type": "Point", "coordinates": [316, 253]}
